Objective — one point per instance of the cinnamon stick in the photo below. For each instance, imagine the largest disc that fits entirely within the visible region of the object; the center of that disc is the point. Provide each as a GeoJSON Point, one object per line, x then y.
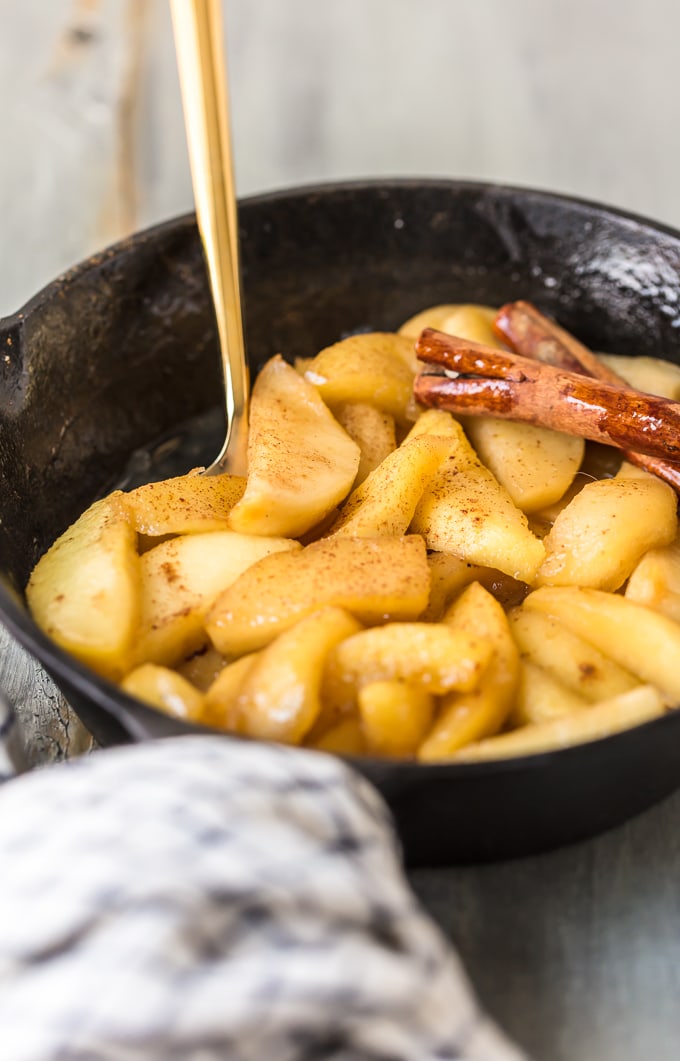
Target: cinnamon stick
{"type": "Point", "coordinates": [530, 333]}
{"type": "Point", "coordinates": [518, 388]}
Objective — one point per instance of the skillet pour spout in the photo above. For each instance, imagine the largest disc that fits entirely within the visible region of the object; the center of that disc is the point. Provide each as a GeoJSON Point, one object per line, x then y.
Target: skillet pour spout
{"type": "Point", "coordinates": [122, 349]}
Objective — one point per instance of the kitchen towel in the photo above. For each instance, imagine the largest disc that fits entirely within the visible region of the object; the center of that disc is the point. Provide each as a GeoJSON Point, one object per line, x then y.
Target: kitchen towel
{"type": "Point", "coordinates": [199, 898]}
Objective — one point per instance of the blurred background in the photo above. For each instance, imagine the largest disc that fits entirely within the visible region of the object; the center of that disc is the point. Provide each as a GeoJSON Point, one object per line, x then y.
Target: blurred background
{"type": "Point", "coordinates": [578, 96]}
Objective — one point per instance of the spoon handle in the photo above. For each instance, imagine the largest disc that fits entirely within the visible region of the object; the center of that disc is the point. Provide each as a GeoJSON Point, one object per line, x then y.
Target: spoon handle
{"type": "Point", "coordinates": [199, 43]}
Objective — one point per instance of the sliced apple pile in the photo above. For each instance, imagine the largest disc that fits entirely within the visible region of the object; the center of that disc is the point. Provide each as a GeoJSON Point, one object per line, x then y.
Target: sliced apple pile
{"type": "Point", "coordinates": [385, 581]}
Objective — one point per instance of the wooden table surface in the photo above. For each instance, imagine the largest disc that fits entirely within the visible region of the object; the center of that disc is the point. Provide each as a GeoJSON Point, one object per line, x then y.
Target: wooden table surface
{"type": "Point", "coordinates": [576, 953]}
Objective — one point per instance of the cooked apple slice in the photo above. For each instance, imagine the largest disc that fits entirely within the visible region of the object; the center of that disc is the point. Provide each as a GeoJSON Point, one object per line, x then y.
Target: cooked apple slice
{"type": "Point", "coordinates": [568, 658]}
{"type": "Point", "coordinates": [656, 580]}
{"type": "Point", "coordinates": [166, 690]}
{"type": "Point", "coordinates": [301, 463]}
{"type": "Point", "coordinates": [627, 470]}
{"type": "Point", "coordinates": [649, 374]}
{"type": "Point", "coordinates": [279, 696]}
{"type": "Point", "coordinates": [476, 320]}
{"type": "Point", "coordinates": [384, 504]}
{"type": "Point", "coordinates": [602, 533]}
{"type": "Point", "coordinates": [344, 738]}
{"type": "Point", "coordinates": [433, 657]}
{"type": "Point", "coordinates": [434, 422]}
{"type": "Point", "coordinates": [644, 641]}
{"type": "Point", "coordinates": [469, 716]}
{"type": "Point", "coordinates": [535, 465]}
{"type": "Point", "coordinates": [541, 697]}
{"type": "Point", "coordinates": [223, 690]}
{"type": "Point", "coordinates": [377, 368]}
{"type": "Point", "coordinates": [374, 579]}
{"type": "Point", "coordinates": [395, 716]}
{"type": "Point", "coordinates": [464, 510]}
{"type": "Point", "coordinates": [186, 504]}
{"type": "Point", "coordinates": [601, 720]}
{"type": "Point", "coordinates": [373, 432]}
{"type": "Point", "coordinates": [84, 592]}
{"type": "Point", "coordinates": [180, 581]}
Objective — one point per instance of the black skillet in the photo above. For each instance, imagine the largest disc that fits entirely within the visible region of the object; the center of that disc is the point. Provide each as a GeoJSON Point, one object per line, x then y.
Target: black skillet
{"type": "Point", "coordinates": [122, 349]}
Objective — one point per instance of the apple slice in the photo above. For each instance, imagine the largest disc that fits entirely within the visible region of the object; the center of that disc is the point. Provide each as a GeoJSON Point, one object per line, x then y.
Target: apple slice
{"type": "Point", "coordinates": [84, 592]}
{"type": "Point", "coordinates": [181, 580]}
{"type": "Point", "coordinates": [464, 510]}
{"type": "Point", "coordinates": [166, 690]}
{"type": "Point", "coordinates": [384, 504]}
{"type": "Point", "coordinates": [377, 367]}
{"type": "Point", "coordinates": [374, 579]}
{"type": "Point", "coordinates": [372, 430]}
{"type": "Point", "coordinates": [187, 504]}
{"type": "Point", "coordinates": [301, 463]}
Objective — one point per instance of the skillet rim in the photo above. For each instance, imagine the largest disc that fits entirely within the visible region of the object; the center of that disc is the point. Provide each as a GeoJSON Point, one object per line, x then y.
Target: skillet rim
{"type": "Point", "coordinates": [301, 191]}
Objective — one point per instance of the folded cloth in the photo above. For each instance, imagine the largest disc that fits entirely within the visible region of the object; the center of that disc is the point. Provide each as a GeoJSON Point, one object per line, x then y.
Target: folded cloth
{"type": "Point", "coordinates": [200, 898]}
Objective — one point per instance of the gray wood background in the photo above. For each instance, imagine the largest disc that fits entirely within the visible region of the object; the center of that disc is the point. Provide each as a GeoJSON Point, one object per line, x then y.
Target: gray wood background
{"type": "Point", "coordinates": [576, 953]}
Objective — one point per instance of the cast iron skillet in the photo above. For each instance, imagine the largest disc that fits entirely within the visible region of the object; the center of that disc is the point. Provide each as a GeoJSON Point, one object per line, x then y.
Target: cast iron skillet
{"type": "Point", "coordinates": [122, 348]}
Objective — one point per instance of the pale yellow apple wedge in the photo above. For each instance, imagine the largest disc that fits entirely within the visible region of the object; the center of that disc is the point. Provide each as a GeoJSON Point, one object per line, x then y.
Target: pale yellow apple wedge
{"type": "Point", "coordinates": [599, 537]}
{"type": "Point", "coordinates": [655, 581]}
{"type": "Point", "coordinates": [279, 696]}
{"type": "Point", "coordinates": [301, 463]}
{"type": "Point", "coordinates": [84, 592]}
{"type": "Point", "coordinates": [535, 465]}
{"type": "Point", "coordinates": [221, 695]}
{"type": "Point", "coordinates": [644, 641]}
{"type": "Point", "coordinates": [187, 504]}
{"type": "Point", "coordinates": [541, 697]}
{"type": "Point", "coordinates": [632, 471]}
{"type": "Point", "coordinates": [470, 716]}
{"type": "Point", "coordinates": [166, 690]}
{"type": "Point", "coordinates": [395, 716]}
{"type": "Point", "coordinates": [601, 720]}
{"type": "Point", "coordinates": [377, 368]}
{"type": "Point", "coordinates": [431, 656]}
{"type": "Point", "coordinates": [385, 502]}
{"type": "Point", "coordinates": [641, 705]}
{"type": "Point", "coordinates": [434, 422]}
{"type": "Point", "coordinates": [568, 658]}
{"type": "Point", "coordinates": [344, 738]}
{"type": "Point", "coordinates": [465, 510]}
{"type": "Point", "coordinates": [649, 374]}
{"type": "Point", "coordinates": [374, 579]}
{"type": "Point", "coordinates": [474, 318]}
{"type": "Point", "coordinates": [372, 430]}
{"type": "Point", "coordinates": [180, 581]}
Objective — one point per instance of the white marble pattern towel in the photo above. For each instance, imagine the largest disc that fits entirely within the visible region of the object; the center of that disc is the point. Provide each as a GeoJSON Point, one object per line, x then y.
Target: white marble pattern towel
{"type": "Point", "coordinates": [198, 899]}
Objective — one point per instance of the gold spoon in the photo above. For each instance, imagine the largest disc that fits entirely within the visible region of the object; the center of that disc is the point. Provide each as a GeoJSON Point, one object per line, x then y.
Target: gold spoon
{"type": "Point", "coordinates": [199, 43]}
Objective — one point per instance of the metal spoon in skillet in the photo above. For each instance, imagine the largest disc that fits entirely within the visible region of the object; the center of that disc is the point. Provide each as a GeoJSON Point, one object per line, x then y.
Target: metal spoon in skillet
{"type": "Point", "coordinates": [199, 37]}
